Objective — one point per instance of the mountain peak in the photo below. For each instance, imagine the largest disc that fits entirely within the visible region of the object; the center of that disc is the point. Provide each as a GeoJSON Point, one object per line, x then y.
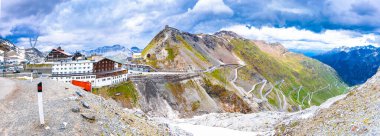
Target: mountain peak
{"type": "Point", "coordinates": [170, 29]}
{"type": "Point", "coordinates": [224, 33]}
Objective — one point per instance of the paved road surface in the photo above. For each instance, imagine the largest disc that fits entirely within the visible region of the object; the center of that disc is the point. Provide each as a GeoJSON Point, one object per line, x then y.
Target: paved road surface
{"type": "Point", "coordinates": [6, 87]}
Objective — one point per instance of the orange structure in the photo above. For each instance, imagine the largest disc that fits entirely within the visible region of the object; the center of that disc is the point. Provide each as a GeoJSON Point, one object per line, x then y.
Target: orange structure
{"type": "Point", "coordinates": [84, 85]}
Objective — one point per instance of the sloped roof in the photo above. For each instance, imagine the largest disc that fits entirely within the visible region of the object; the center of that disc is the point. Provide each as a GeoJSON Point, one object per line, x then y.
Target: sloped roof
{"type": "Point", "coordinates": [100, 59]}
{"type": "Point", "coordinates": [68, 54]}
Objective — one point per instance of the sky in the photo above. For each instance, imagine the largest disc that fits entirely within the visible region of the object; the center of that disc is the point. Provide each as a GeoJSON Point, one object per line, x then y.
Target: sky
{"type": "Point", "coordinates": [87, 24]}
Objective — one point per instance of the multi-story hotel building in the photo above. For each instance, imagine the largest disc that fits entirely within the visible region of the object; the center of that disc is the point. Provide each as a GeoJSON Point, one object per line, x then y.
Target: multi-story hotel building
{"type": "Point", "coordinates": [99, 72]}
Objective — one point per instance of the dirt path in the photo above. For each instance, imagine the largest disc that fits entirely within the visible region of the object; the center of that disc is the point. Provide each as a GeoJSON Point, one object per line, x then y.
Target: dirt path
{"type": "Point", "coordinates": [6, 87]}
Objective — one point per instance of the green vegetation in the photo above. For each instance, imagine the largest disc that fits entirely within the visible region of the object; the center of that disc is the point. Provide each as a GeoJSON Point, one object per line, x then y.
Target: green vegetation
{"type": "Point", "coordinates": [172, 52]}
{"type": "Point", "coordinates": [296, 70]}
{"type": "Point", "coordinates": [128, 93]}
{"type": "Point", "coordinates": [190, 48]}
{"type": "Point", "coordinates": [220, 75]}
{"type": "Point", "coordinates": [152, 61]}
{"type": "Point", "coordinates": [150, 46]}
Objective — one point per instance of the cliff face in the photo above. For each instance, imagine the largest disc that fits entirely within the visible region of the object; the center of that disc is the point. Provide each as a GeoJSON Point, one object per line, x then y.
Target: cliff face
{"type": "Point", "coordinates": [186, 96]}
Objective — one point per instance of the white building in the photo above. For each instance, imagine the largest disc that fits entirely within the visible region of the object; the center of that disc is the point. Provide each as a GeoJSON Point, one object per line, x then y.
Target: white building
{"type": "Point", "coordinates": [92, 78]}
{"type": "Point", "coordinates": [136, 56]}
{"type": "Point", "coordinates": [73, 67]}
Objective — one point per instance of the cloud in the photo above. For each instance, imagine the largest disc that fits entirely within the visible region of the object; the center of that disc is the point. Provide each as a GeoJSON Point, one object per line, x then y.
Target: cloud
{"type": "Point", "coordinates": [309, 14]}
{"type": "Point", "coordinates": [363, 9]}
{"type": "Point", "coordinates": [86, 24]}
{"type": "Point", "coordinates": [91, 23]}
{"type": "Point", "coordinates": [24, 13]}
{"type": "Point", "coordinates": [129, 23]}
{"type": "Point", "coordinates": [294, 38]}
{"type": "Point", "coordinates": [211, 6]}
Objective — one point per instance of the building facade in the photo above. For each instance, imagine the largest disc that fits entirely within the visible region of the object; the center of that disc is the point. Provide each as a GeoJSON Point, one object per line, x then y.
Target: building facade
{"type": "Point", "coordinates": [58, 55]}
{"type": "Point", "coordinates": [104, 65]}
{"type": "Point", "coordinates": [73, 67]}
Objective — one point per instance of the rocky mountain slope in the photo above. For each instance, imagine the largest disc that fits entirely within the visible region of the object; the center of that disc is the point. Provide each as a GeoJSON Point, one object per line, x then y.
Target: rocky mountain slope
{"type": "Point", "coordinates": [357, 114]}
{"type": "Point", "coordinates": [6, 45]}
{"type": "Point", "coordinates": [355, 65]}
{"type": "Point", "coordinates": [68, 113]}
{"type": "Point", "coordinates": [353, 113]}
{"type": "Point", "coordinates": [34, 55]}
{"type": "Point", "coordinates": [30, 54]}
{"type": "Point", "coordinates": [264, 76]}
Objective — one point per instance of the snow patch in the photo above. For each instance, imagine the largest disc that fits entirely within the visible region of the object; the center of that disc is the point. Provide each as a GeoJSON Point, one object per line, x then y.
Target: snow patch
{"type": "Point", "coordinates": [200, 130]}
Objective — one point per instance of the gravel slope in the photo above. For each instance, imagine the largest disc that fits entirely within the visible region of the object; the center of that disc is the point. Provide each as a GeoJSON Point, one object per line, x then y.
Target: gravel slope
{"type": "Point", "coordinates": [19, 113]}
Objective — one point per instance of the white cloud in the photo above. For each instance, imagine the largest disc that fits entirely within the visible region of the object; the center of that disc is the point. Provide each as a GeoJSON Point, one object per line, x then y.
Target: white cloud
{"type": "Point", "coordinates": [130, 23]}
{"type": "Point", "coordinates": [89, 24]}
{"type": "Point", "coordinates": [304, 39]}
{"type": "Point", "coordinates": [213, 6]}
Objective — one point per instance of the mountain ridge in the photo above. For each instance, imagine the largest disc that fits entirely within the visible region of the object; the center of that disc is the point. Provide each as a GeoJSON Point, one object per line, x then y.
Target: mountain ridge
{"type": "Point", "coordinates": [354, 64]}
{"type": "Point", "coordinates": [306, 81]}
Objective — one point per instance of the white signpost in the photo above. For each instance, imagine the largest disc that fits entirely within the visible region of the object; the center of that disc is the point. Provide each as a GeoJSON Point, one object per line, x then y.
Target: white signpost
{"type": "Point", "coordinates": [40, 105]}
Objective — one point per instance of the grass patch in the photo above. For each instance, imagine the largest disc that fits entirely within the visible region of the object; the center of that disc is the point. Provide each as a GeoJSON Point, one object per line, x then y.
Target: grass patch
{"type": "Point", "coordinates": [172, 52]}
{"type": "Point", "coordinates": [219, 75]}
{"type": "Point", "coordinates": [150, 46]}
{"type": "Point", "coordinates": [152, 61]}
{"type": "Point", "coordinates": [128, 93]}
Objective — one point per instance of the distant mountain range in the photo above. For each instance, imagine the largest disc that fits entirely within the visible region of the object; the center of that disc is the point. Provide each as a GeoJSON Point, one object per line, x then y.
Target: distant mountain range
{"type": "Point", "coordinates": [116, 52]}
{"type": "Point", "coordinates": [34, 55]}
{"type": "Point", "coordinates": [354, 65]}
{"type": "Point", "coordinates": [106, 50]}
